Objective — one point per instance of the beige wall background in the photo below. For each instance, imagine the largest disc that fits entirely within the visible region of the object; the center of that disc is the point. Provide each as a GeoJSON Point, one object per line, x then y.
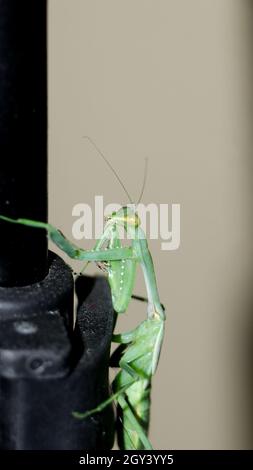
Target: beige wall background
{"type": "Point", "coordinates": [171, 80]}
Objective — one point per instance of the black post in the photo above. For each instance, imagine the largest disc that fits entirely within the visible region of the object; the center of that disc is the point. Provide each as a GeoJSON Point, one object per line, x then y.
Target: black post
{"type": "Point", "coordinates": [47, 370]}
{"type": "Point", "coordinates": [23, 139]}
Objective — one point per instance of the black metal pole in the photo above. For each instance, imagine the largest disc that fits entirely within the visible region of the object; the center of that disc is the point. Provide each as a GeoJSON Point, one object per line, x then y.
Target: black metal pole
{"type": "Point", "coordinates": [23, 139]}
{"type": "Point", "coordinates": [47, 370]}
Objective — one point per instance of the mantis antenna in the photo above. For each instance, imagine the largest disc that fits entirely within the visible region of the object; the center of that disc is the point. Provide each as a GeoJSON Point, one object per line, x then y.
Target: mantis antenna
{"type": "Point", "coordinates": [144, 180]}
{"type": "Point", "coordinates": [109, 165]}
{"type": "Point", "coordinates": [116, 174]}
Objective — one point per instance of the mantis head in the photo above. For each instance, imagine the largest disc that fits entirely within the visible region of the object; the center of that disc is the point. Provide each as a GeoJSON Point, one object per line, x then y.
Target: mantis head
{"type": "Point", "coordinates": [125, 215]}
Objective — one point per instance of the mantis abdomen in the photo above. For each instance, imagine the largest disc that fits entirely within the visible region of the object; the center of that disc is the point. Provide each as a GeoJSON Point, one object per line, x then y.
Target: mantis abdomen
{"type": "Point", "coordinates": [137, 398]}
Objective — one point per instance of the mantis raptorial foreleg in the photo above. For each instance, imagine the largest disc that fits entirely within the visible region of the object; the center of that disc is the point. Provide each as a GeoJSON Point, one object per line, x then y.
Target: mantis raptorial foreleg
{"type": "Point", "coordinates": [71, 249]}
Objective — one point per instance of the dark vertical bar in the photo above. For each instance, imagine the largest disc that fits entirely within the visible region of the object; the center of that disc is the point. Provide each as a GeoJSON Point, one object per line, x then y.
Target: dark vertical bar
{"type": "Point", "coordinates": [23, 139]}
{"type": "Point", "coordinates": [47, 370]}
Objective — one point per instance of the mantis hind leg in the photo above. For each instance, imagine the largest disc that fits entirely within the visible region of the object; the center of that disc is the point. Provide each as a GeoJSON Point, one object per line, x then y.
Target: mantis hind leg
{"type": "Point", "coordinates": [104, 404]}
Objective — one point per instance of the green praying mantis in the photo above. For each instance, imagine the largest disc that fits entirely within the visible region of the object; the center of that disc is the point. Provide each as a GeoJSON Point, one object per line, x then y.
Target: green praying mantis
{"type": "Point", "coordinates": [141, 346]}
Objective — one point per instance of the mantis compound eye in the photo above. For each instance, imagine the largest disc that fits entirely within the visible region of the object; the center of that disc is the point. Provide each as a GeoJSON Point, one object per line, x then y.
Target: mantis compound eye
{"type": "Point", "coordinates": [110, 216]}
